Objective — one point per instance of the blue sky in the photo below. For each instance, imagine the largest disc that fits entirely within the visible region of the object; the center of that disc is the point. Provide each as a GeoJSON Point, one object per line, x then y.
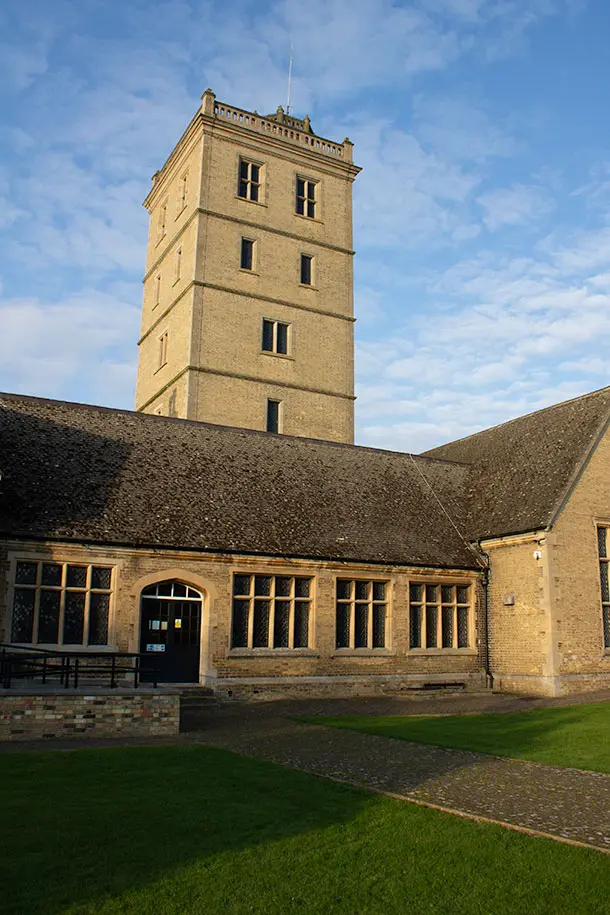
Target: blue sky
{"type": "Point", "coordinates": [481, 216]}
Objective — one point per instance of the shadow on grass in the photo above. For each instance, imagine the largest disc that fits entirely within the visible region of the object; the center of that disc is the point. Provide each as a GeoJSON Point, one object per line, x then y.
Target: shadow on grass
{"type": "Point", "coordinates": [84, 825]}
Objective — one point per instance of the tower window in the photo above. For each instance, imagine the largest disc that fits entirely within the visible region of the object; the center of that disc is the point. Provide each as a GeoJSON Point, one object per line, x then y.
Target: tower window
{"type": "Point", "coordinates": [275, 337]}
{"type": "Point", "coordinates": [306, 197]}
{"type": "Point", "coordinates": [163, 340]}
{"type": "Point", "coordinates": [162, 222]}
{"type": "Point", "coordinates": [177, 264]}
{"type": "Point", "coordinates": [157, 290]}
{"type": "Point", "coordinates": [249, 181]}
{"type": "Point", "coordinates": [273, 415]}
{"type": "Point", "coordinates": [306, 269]}
{"type": "Point", "coordinates": [182, 191]}
{"type": "Point", "coordinates": [247, 254]}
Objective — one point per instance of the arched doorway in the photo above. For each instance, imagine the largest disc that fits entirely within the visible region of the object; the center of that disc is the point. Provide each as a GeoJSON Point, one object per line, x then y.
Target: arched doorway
{"type": "Point", "coordinates": [170, 629]}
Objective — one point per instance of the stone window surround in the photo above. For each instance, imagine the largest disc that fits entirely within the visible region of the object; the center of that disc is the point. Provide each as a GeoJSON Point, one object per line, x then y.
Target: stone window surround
{"type": "Point", "coordinates": [371, 601]}
{"type": "Point", "coordinates": [439, 581]}
{"type": "Point", "coordinates": [260, 184]}
{"type": "Point", "coordinates": [99, 560]}
{"type": "Point", "coordinates": [602, 546]}
{"type": "Point", "coordinates": [269, 650]}
{"type": "Point", "coordinates": [316, 199]}
{"type": "Point", "coordinates": [289, 338]}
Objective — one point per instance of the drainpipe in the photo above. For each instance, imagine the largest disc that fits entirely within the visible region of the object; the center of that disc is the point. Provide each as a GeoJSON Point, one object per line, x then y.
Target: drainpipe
{"type": "Point", "coordinates": [488, 674]}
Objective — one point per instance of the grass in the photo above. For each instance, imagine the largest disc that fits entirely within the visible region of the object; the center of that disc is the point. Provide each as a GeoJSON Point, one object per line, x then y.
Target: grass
{"type": "Point", "coordinates": [182, 830]}
{"type": "Point", "coordinates": [577, 735]}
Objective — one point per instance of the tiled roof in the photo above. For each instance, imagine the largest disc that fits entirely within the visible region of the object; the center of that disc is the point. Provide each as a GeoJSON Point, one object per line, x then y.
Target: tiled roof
{"type": "Point", "coordinates": [82, 473]}
{"type": "Point", "coordinates": [522, 469]}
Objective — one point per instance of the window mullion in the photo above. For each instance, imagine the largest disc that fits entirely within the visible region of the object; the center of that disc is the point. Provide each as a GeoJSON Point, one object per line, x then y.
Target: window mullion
{"type": "Point", "coordinates": [251, 614]}
{"type": "Point", "coordinates": [352, 615]}
{"type": "Point", "coordinates": [424, 621]}
{"type": "Point", "coordinates": [291, 614]}
{"type": "Point", "coordinates": [87, 606]}
{"type": "Point", "coordinates": [271, 624]}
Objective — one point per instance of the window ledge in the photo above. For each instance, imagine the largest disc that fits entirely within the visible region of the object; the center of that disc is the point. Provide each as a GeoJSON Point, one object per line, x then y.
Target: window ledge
{"type": "Point", "coordinates": [159, 368]}
{"type": "Point", "coordinates": [272, 653]}
{"type": "Point", "coordinates": [363, 653]}
{"type": "Point", "coordinates": [249, 272]}
{"type": "Point", "coordinates": [256, 203]}
{"type": "Point", "coordinates": [429, 652]}
{"type": "Point", "coordinates": [310, 218]}
{"type": "Point", "coordinates": [266, 352]}
{"type": "Point", "coordinates": [308, 286]}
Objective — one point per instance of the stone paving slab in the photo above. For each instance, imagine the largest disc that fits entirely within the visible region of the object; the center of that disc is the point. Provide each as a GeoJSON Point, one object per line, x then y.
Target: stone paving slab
{"type": "Point", "coordinates": [566, 803]}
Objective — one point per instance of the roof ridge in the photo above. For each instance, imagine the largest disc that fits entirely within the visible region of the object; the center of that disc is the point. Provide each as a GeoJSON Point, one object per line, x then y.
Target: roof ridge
{"type": "Point", "coordinates": [154, 417]}
{"type": "Point", "coordinates": [516, 419]}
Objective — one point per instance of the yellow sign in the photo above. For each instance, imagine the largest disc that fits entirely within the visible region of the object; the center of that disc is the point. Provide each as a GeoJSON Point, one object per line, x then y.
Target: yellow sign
{"type": "Point", "coordinates": [178, 624]}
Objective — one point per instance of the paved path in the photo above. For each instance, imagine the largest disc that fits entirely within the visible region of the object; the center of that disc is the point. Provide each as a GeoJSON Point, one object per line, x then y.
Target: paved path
{"type": "Point", "coordinates": [565, 803]}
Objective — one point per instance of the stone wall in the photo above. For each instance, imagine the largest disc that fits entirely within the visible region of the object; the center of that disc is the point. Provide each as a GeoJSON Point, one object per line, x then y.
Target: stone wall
{"type": "Point", "coordinates": [318, 668]}
{"type": "Point", "coordinates": [67, 714]}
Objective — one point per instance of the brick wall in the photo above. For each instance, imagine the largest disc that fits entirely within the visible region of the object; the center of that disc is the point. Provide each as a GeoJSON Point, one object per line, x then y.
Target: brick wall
{"type": "Point", "coordinates": [64, 715]}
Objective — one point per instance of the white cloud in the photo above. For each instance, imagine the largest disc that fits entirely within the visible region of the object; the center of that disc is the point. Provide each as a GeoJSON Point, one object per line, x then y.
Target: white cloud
{"type": "Point", "coordinates": [87, 341]}
{"type": "Point", "coordinates": [519, 205]}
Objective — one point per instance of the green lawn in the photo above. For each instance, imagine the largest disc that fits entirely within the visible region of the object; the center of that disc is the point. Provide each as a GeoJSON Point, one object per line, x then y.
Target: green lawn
{"type": "Point", "coordinates": [576, 735]}
{"type": "Point", "coordinates": [188, 829]}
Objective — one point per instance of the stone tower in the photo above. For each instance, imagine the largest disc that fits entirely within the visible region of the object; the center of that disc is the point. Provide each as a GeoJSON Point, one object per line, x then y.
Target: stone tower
{"type": "Point", "coordinates": [247, 316]}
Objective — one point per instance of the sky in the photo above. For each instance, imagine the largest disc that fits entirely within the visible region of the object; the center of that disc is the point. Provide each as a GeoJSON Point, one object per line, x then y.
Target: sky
{"type": "Point", "coordinates": [481, 216]}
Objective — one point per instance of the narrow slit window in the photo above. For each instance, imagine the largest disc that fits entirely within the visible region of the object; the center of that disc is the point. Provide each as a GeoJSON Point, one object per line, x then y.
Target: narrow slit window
{"type": "Point", "coordinates": [163, 342]}
{"type": "Point", "coordinates": [306, 269]}
{"type": "Point", "coordinates": [157, 290]}
{"type": "Point", "coordinates": [162, 222]}
{"type": "Point", "coordinates": [177, 264]}
{"type": "Point", "coordinates": [247, 254]}
{"type": "Point", "coordinates": [273, 416]}
{"type": "Point", "coordinates": [183, 190]}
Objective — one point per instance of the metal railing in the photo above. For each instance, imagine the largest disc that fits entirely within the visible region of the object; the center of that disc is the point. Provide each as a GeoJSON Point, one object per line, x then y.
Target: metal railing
{"type": "Point", "coordinates": [18, 663]}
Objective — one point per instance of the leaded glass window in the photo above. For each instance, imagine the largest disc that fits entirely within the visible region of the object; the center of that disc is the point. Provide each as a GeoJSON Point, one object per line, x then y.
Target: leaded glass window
{"type": "Point", "coordinates": [602, 545]}
{"type": "Point", "coordinates": [361, 608]}
{"type": "Point", "coordinates": [271, 611]}
{"type": "Point", "coordinates": [59, 603]}
{"type": "Point", "coordinates": [439, 615]}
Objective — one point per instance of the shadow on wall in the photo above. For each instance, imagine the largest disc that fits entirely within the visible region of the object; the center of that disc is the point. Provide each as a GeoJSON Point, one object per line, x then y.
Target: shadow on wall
{"type": "Point", "coordinates": [54, 476]}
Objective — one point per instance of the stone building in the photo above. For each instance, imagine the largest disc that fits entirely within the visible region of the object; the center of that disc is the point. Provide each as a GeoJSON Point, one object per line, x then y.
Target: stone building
{"type": "Point", "coordinates": [269, 564]}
